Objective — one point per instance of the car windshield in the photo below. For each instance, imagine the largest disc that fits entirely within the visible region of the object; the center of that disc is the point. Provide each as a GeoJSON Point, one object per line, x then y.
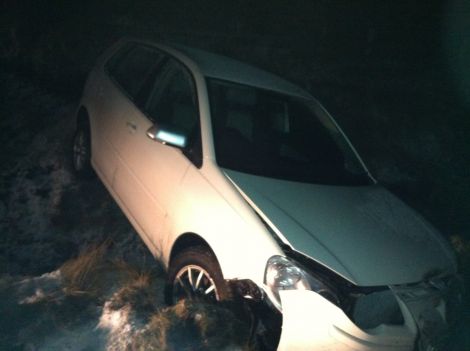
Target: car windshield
{"type": "Point", "coordinates": [264, 133]}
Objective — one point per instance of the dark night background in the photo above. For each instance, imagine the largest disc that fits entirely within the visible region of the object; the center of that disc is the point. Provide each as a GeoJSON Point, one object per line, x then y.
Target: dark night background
{"type": "Point", "coordinates": [394, 74]}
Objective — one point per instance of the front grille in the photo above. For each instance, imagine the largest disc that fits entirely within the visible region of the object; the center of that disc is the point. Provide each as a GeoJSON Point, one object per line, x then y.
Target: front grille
{"type": "Point", "coordinates": [381, 307]}
{"type": "Point", "coordinates": [435, 305]}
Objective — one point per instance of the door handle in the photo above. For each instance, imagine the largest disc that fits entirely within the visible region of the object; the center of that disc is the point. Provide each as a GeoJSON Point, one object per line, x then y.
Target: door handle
{"type": "Point", "coordinates": [131, 126]}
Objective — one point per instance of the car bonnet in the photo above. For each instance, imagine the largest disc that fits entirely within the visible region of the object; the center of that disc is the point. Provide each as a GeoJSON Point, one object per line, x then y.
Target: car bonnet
{"type": "Point", "coordinates": [363, 233]}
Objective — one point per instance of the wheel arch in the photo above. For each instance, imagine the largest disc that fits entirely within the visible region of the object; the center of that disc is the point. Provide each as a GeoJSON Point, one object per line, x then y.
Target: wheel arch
{"type": "Point", "coordinates": [83, 117]}
{"type": "Point", "coordinates": [188, 240]}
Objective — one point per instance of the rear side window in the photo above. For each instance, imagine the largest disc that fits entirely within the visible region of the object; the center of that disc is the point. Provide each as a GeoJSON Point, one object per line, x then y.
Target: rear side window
{"type": "Point", "coordinates": [132, 65]}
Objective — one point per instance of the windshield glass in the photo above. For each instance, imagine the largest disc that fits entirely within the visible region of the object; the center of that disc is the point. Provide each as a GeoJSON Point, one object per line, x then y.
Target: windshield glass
{"type": "Point", "coordinates": [279, 136]}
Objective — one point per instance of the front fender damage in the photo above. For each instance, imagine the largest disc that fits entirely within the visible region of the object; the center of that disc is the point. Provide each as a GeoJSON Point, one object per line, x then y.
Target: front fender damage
{"type": "Point", "coordinates": [265, 319]}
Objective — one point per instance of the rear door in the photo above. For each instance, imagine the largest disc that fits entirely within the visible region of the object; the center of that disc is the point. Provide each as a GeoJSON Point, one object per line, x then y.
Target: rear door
{"type": "Point", "coordinates": [126, 73]}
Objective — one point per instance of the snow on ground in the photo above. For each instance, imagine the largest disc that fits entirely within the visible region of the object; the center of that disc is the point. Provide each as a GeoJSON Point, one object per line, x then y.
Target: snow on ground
{"type": "Point", "coordinates": [73, 273]}
{"type": "Point", "coordinates": [50, 222]}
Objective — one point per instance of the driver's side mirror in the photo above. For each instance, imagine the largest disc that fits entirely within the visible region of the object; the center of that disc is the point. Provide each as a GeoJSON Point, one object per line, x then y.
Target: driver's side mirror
{"type": "Point", "coordinates": [168, 136]}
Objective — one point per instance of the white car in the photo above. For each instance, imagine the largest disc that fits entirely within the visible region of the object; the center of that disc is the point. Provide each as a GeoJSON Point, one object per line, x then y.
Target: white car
{"type": "Point", "coordinates": [242, 184]}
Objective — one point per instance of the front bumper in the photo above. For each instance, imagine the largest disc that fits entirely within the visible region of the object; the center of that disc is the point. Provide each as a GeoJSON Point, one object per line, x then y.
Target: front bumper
{"type": "Point", "coordinates": [429, 310]}
{"type": "Point", "coordinates": [312, 323]}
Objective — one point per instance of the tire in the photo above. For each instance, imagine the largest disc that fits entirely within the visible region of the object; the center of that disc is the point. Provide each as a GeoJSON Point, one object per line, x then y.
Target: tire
{"type": "Point", "coordinates": [81, 151]}
{"type": "Point", "coordinates": [195, 274]}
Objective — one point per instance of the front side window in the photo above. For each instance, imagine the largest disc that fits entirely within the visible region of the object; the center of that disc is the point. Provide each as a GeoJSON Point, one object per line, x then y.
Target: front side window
{"type": "Point", "coordinates": [172, 102]}
{"type": "Point", "coordinates": [172, 105]}
{"type": "Point", "coordinates": [269, 134]}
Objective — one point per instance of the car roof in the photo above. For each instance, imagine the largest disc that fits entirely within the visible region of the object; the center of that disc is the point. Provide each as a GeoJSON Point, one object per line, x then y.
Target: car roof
{"type": "Point", "coordinates": [220, 67]}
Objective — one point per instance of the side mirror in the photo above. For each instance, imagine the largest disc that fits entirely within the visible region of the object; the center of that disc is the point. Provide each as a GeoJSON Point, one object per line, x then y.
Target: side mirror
{"type": "Point", "coordinates": [168, 136]}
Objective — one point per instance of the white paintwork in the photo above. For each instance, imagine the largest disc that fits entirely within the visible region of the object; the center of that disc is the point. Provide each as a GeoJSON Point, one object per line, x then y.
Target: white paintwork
{"type": "Point", "coordinates": [206, 202]}
{"type": "Point", "coordinates": [312, 323]}
{"type": "Point", "coordinates": [217, 66]}
{"type": "Point", "coordinates": [363, 233]}
{"type": "Point", "coordinates": [358, 233]}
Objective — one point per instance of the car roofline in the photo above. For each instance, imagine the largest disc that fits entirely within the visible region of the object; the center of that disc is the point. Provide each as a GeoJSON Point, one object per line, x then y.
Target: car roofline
{"type": "Point", "coordinates": [212, 65]}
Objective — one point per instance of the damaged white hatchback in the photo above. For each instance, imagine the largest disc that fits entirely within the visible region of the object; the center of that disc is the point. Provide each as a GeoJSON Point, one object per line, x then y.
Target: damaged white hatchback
{"type": "Point", "coordinates": [243, 185]}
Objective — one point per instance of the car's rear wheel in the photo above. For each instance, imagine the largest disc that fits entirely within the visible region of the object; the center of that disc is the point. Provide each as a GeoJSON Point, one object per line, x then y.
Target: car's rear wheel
{"type": "Point", "coordinates": [81, 156]}
{"type": "Point", "coordinates": [195, 274]}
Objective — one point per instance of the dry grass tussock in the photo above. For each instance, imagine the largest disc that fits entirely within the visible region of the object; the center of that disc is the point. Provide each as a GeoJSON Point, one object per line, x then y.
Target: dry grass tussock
{"type": "Point", "coordinates": [136, 297]}
{"type": "Point", "coordinates": [95, 274]}
{"type": "Point", "coordinates": [83, 274]}
{"type": "Point", "coordinates": [193, 325]}
{"type": "Point", "coordinates": [460, 245]}
{"type": "Point", "coordinates": [141, 291]}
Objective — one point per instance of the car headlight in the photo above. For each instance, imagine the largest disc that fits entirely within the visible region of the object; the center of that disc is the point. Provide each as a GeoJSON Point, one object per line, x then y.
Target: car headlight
{"type": "Point", "coordinates": [284, 274]}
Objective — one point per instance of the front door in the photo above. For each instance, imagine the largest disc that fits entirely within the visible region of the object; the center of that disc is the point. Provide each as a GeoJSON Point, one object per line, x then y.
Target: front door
{"type": "Point", "coordinates": [149, 174]}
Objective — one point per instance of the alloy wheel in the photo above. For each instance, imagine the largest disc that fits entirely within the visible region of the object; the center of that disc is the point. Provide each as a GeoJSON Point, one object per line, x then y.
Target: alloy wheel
{"type": "Point", "coordinates": [194, 282]}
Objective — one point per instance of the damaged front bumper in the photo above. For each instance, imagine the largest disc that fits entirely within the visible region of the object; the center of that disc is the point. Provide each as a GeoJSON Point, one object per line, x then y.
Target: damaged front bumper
{"type": "Point", "coordinates": [312, 323]}
{"type": "Point", "coordinates": [435, 306]}
{"type": "Point", "coordinates": [309, 322]}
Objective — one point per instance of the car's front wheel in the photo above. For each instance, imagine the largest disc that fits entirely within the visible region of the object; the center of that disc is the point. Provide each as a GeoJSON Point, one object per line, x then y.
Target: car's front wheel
{"type": "Point", "coordinates": [195, 274]}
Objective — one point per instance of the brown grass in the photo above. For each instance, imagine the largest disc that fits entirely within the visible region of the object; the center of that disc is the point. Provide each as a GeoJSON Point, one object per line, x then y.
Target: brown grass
{"type": "Point", "coordinates": [83, 274]}
{"type": "Point", "coordinates": [189, 325]}
{"type": "Point", "coordinates": [95, 274]}
{"type": "Point", "coordinates": [141, 292]}
{"type": "Point", "coordinates": [460, 245]}
{"type": "Point", "coordinates": [193, 325]}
